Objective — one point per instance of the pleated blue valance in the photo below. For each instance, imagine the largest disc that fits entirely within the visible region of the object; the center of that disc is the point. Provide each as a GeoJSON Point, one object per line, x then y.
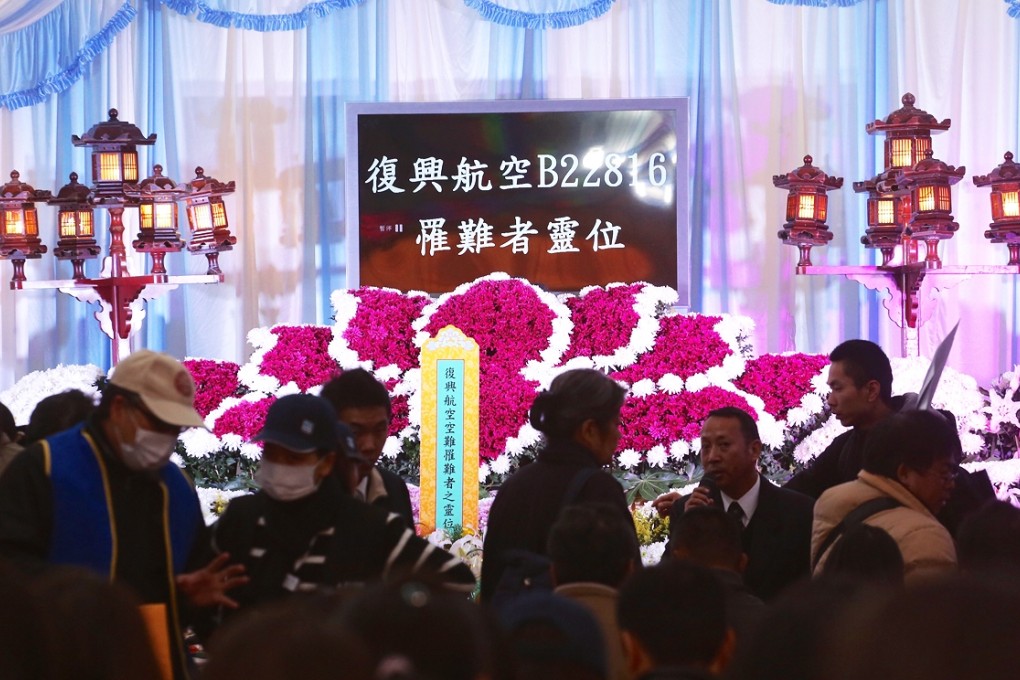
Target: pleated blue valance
{"type": "Point", "coordinates": [540, 13]}
{"type": "Point", "coordinates": [259, 15]}
{"type": "Point", "coordinates": [817, 3]}
{"type": "Point", "coordinates": [44, 55]}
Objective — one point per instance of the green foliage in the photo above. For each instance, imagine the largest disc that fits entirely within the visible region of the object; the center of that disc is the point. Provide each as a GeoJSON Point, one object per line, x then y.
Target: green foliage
{"type": "Point", "coordinates": [225, 469]}
{"type": "Point", "coordinates": [649, 486]}
{"type": "Point", "coordinates": [407, 463]}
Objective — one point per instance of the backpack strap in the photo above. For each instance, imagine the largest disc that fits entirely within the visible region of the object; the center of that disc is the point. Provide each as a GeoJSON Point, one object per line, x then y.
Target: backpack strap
{"type": "Point", "coordinates": [852, 519]}
{"type": "Point", "coordinates": [576, 484]}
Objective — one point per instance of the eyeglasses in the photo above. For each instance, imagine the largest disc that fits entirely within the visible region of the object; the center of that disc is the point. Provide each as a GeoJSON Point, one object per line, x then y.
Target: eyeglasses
{"type": "Point", "coordinates": [157, 424]}
{"type": "Point", "coordinates": [946, 473]}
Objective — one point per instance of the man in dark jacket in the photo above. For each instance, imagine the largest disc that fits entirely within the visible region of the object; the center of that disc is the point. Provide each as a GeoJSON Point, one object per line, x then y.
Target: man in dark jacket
{"type": "Point", "coordinates": [860, 396]}
{"type": "Point", "coordinates": [776, 522]}
{"type": "Point", "coordinates": [105, 496]}
{"type": "Point", "coordinates": [303, 531]}
{"type": "Point", "coordinates": [363, 404]}
{"type": "Point", "coordinates": [860, 383]}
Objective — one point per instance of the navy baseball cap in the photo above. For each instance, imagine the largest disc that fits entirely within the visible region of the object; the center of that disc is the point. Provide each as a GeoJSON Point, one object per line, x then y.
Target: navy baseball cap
{"type": "Point", "coordinates": [302, 423]}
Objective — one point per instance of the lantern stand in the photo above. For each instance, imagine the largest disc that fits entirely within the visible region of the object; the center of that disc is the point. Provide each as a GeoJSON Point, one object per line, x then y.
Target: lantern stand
{"type": "Point", "coordinates": [120, 295]}
{"type": "Point", "coordinates": [909, 202]}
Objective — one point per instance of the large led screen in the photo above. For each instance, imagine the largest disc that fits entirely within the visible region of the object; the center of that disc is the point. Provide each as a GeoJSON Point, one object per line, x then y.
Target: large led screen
{"type": "Point", "coordinates": [564, 193]}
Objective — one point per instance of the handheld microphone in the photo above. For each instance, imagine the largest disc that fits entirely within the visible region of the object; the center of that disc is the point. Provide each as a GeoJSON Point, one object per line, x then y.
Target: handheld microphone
{"type": "Point", "coordinates": [708, 481]}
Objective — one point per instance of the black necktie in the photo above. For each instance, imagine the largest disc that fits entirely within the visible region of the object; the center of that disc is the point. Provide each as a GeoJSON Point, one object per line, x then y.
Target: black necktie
{"type": "Point", "coordinates": [736, 512]}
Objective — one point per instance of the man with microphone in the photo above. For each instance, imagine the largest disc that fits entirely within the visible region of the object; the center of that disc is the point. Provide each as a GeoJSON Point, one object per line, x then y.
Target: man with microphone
{"type": "Point", "coordinates": [777, 522]}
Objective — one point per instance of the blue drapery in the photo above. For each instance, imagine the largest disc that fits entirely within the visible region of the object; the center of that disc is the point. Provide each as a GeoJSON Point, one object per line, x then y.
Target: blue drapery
{"type": "Point", "coordinates": [768, 84]}
{"type": "Point", "coordinates": [52, 53]}
{"type": "Point", "coordinates": [223, 13]}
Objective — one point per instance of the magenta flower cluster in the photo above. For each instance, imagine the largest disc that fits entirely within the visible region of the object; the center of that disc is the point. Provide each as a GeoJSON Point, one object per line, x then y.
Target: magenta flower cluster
{"type": "Point", "coordinates": [504, 399]}
{"type": "Point", "coordinates": [244, 418]}
{"type": "Point", "coordinates": [685, 345]}
{"type": "Point", "coordinates": [604, 319]}
{"type": "Point", "coordinates": [381, 328]}
{"type": "Point", "coordinates": [507, 318]}
{"type": "Point", "coordinates": [513, 325]}
{"type": "Point", "coordinates": [214, 382]}
{"type": "Point", "coordinates": [301, 355]}
{"type": "Point", "coordinates": [781, 380]}
{"type": "Point", "coordinates": [661, 418]}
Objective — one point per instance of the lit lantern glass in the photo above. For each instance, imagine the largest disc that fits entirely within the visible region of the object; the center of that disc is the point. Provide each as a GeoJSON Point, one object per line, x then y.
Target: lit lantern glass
{"type": "Point", "coordinates": [902, 155]}
{"type": "Point", "coordinates": [106, 167]}
{"type": "Point", "coordinates": [806, 207]}
{"type": "Point", "coordinates": [885, 211]}
{"type": "Point", "coordinates": [130, 166]}
{"type": "Point", "coordinates": [85, 227]}
{"type": "Point", "coordinates": [1010, 203]}
{"type": "Point", "coordinates": [200, 217]}
{"type": "Point", "coordinates": [68, 224]}
{"type": "Point", "coordinates": [925, 199]}
{"type": "Point", "coordinates": [165, 215]}
{"type": "Point", "coordinates": [12, 223]}
{"type": "Point", "coordinates": [31, 223]}
{"type": "Point", "coordinates": [220, 214]}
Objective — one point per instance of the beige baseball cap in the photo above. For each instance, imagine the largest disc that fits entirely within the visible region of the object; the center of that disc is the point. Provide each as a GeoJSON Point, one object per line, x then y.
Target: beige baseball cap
{"type": "Point", "coordinates": [163, 384]}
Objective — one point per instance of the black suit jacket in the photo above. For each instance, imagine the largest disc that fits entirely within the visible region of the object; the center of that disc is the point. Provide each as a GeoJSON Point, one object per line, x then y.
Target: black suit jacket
{"type": "Point", "coordinates": [777, 540]}
{"type": "Point", "coordinates": [397, 498]}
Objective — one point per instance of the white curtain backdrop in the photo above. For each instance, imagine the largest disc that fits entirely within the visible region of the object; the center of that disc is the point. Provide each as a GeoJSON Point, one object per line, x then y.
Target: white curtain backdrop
{"type": "Point", "coordinates": [768, 84]}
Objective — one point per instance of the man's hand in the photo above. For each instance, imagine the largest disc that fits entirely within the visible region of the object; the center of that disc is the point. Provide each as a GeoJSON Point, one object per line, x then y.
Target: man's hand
{"type": "Point", "coordinates": [207, 587]}
{"type": "Point", "coordinates": [700, 497]}
{"type": "Point", "coordinates": [664, 503]}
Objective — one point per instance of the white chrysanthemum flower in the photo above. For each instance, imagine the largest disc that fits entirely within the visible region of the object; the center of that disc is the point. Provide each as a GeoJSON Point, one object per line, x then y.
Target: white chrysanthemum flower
{"type": "Point", "coordinates": [657, 456]}
{"type": "Point", "coordinates": [391, 447]}
{"type": "Point", "coordinates": [1002, 473]}
{"type": "Point", "coordinates": [501, 464]}
{"type": "Point", "coordinates": [643, 387]}
{"type": "Point", "coordinates": [527, 436]}
{"type": "Point", "coordinates": [251, 451]}
{"type": "Point", "coordinates": [813, 444]}
{"type": "Point", "coordinates": [697, 382]}
{"type": "Point", "coordinates": [679, 449]}
{"type": "Point", "coordinates": [483, 472]}
{"type": "Point", "coordinates": [696, 445]}
{"type": "Point", "coordinates": [716, 375]}
{"type": "Point", "coordinates": [289, 388]}
{"type": "Point", "coordinates": [1001, 410]}
{"type": "Point", "coordinates": [387, 373]}
{"type": "Point", "coordinates": [812, 403]}
{"type": "Point", "coordinates": [797, 416]}
{"type": "Point", "coordinates": [345, 306]}
{"type": "Point", "coordinates": [210, 499]}
{"type": "Point", "coordinates": [22, 398]}
{"type": "Point", "coordinates": [232, 441]}
{"type": "Point", "coordinates": [820, 383]}
{"type": "Point", "coordinates": [199, 442]}
{"type": "Point", "coordinates": [971, 443]}
{"type": "Point", "coordinates": [249, 376]}
{"type": "Point", "coordinates": [769, 430]}
{"type": "Point", "coordinates": [628, 459]}
{"type": "Point", "coordinates": [671, 384]}
{"type": "Point", "coordinates": [652, 554]}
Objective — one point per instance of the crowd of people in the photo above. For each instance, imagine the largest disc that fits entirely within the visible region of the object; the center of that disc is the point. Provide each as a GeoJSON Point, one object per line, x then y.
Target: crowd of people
{"type": "Point", "coordinates": [883, 558]}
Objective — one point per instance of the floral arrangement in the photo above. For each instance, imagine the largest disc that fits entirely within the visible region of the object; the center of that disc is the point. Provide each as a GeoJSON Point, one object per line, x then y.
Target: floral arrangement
{"type": "Point", "coordinates": [677, 368]}
{"type": "Point", "coordinates": [22, 397]}
{"type": "Point", "coordinates": [1002, 433]}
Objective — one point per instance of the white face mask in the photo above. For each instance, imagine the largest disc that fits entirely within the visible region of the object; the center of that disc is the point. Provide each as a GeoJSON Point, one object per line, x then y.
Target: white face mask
{"type": "Point", "coordinates": [149, 451]}
{"type": "Point", "coordinates": [286, 482]}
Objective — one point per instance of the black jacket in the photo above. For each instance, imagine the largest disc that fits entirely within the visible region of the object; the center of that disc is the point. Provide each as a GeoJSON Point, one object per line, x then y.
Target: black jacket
{"type": "Point", "coordinates": [529, 501]}
{"type": "Point", "coordinates": [359, 543]}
